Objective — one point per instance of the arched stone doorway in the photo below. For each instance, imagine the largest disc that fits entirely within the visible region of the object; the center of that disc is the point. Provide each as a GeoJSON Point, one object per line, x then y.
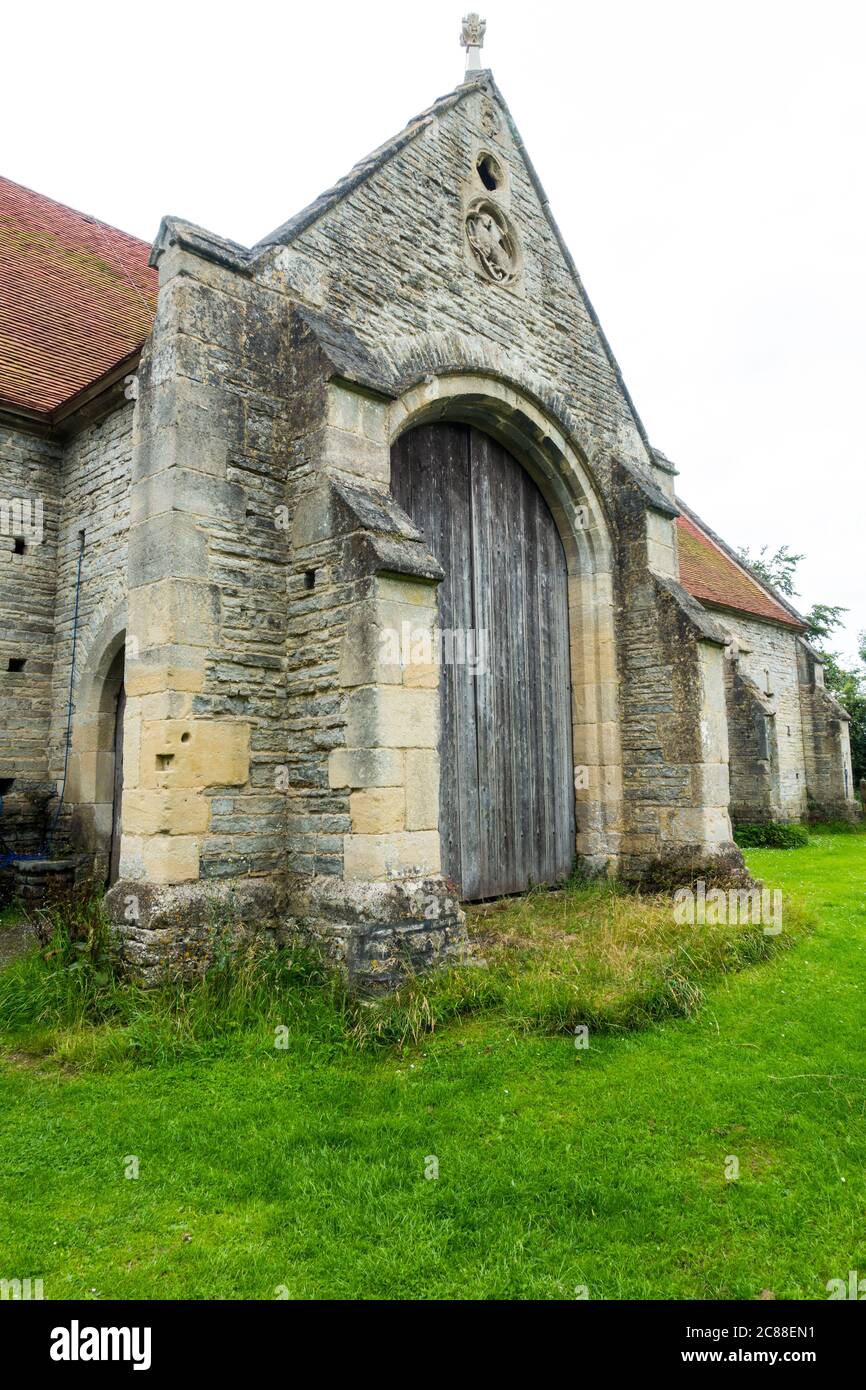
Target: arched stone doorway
{"type": "Point", "coordinates": [506, 765]}
{"type": "Point", "coordinates": [549, 446]}
{"type": "Point", "coordinates": [95, 782]}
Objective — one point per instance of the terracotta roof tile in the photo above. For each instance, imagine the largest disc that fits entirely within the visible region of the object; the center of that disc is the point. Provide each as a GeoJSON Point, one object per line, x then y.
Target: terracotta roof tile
{"type": "Point", "coordinates": [76, 298]}
{"type": "Point", "coordinates": [712, 576]}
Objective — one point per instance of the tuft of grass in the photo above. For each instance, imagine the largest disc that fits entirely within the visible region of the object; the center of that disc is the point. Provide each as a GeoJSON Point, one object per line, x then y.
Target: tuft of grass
{"type": "Point", "coordinates": [71, 979]}
{"type": "Point", "coordinates": [840, 827]}
{"type": "Point", "coordinates": [773, 835]}
{"type": "Point", "coordinates": [589, 954]}
{"type": "Point", "coordinates": [82, 1010]}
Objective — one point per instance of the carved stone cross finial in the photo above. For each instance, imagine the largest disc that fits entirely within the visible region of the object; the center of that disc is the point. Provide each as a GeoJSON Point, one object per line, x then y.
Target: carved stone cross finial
{"type": "Point", "coordinates": [472, 39]}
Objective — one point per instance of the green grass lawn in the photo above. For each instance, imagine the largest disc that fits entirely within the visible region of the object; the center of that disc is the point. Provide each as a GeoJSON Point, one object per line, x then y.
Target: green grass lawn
{"type": "Point", "coordinates": [558, 1167]}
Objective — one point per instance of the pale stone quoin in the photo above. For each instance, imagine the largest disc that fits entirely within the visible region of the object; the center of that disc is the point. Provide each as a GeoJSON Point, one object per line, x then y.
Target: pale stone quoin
{"type": "Point", "coordinates": [201, 702]}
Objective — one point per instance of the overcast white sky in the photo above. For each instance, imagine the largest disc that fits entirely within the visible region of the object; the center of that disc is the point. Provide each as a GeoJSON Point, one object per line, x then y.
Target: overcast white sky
{"type": "Point", "coordinates": [705, 163]}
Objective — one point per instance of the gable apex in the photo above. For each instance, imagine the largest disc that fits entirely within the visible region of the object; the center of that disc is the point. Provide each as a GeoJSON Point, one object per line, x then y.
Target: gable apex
{"type": "Point", "coordinates": [372, 162]}
{"type": "Point", "coordinates": [482, 82]}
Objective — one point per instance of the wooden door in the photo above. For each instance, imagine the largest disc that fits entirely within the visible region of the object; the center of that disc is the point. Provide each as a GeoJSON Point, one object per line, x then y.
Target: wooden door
{"type": "Point", "coordinates": [114, 853]}
{"type": "Point", "coordinates": [506, 805]}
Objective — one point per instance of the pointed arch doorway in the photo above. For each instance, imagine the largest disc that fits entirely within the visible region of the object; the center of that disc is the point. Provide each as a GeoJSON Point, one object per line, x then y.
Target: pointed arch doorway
{"type": "Point", "coordinates": [107, 719]}
{"type": "Point", "coordinates": [117, 798]}
{"type": "Point", "coordinates": [506, 804]}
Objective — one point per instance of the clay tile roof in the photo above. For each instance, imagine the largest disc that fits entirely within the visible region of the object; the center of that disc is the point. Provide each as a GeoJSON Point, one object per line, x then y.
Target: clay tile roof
{"type": "Point", "coordinates": [711, 574]}
{"type": "Point", "coordinates": [77, 297]}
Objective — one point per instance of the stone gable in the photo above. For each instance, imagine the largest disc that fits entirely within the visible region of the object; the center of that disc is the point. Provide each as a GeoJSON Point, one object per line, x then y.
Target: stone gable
{"type": "Point", "coordinates": [393, 260]}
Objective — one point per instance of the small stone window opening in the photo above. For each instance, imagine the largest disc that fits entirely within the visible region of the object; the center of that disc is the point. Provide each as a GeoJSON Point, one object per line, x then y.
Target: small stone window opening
{"type": "Point", "coordinates": [19, 545]}
{"type": "Point", "coordinates": [164, 761]}
{"type": "Point", "coordinates": [309, 579]}
{"type": "Point", "coordinates": [6, 785]}
{"type": "Point", "coordinates": [489, 172]}
{"type": "Point", "coordinates": [17, 663]}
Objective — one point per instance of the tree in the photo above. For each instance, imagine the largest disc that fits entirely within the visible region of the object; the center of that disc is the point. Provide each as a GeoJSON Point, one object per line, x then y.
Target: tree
{"type": "Point", "coordinates": [778, 569]}
{"type": "Point", "coordinates": [823, 619]}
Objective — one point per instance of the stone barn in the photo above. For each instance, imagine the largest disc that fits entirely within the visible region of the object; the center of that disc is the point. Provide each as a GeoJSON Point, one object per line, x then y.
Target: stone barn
{"type": "Point", "coordinates": [340, 582]}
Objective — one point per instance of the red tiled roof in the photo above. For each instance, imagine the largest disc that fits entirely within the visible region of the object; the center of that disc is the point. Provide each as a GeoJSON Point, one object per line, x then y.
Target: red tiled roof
{"type": "Point", "coordinates": [711, 576]}
{"type": "Point", "coordinates": [76, 298]}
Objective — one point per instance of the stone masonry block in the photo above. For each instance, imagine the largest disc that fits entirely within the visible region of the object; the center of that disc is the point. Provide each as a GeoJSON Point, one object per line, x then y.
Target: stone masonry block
{"type": "Point", "coordinates": [170, 546]}
{"type": "Point", "coordinates": [366, 653]}
{"type": "Point", "coordinates": [165, 668]}
{"type": "Point", "coordinates": [313, 520]}
{"type": "Point", "coordinates": [174, 611]}
{"type": "Point", "coordinates": [407, 591]}
{"type": "Point", "coordinates": [422, 789]}
{"type": "Point", "coordinates": [160, 858]}
{"type": "Point", "coordinates": [155, 811]}
{"type": "Point", "coordinates": [402, 855]}
{"type": "Point", "coordinates": [188, 492]}
{"type": "Point", "coordinates": [169, 446]}
{"type": "Point", "coordinates": [392, 717]}
{"type": "Point", "coordinates": [365, 767]}
{"type": "Point", "coordinates": [194, 753]}
{"type": "Point", "coordinates": [355, 413]}
{"type": "Point", "coordinates": [349, 452]}
{"type": "Point", "coordinates": [377, 810]}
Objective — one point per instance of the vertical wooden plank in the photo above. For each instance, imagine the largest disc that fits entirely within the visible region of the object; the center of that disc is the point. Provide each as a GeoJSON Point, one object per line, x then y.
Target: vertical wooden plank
{"type": "Point", "coordinates": [485, 683]}
{"type": "Point", "coordinates": [539, 675]}
{"type": "Point", "coordinates": [463, 807]}
{"type": "Point", "coordinates": [507, 797]}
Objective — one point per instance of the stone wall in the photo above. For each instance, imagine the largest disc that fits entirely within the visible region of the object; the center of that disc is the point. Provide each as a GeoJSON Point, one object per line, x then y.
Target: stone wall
{"type": "Point", "coordinates": [790, 750]}
{"type": "Point", "coordinates": [206, 712]}
{"type": "Point", "coordinates": [248, 563]}
{"type": "Point", "coordinates": [674, 732]}
{"type": "Point", "coordinates": [392, 264]}
{"type": "Point", "coordinates": [94, 521]}
{"type": "Point", "coordinates": [80, 477]}
{"type": "Point", "coordinates": [826, 744]}
{"type": "Point", "coordinates": [766, 656]}
{"type": "Point", "coordinates": [29, 509]}
{"type": "Point", "coordinates": [754, 751]}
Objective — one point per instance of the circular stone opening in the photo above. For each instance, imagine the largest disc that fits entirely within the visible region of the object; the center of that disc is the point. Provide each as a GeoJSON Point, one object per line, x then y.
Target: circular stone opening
{"type": "Point", "coordinates": [489, 172]}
